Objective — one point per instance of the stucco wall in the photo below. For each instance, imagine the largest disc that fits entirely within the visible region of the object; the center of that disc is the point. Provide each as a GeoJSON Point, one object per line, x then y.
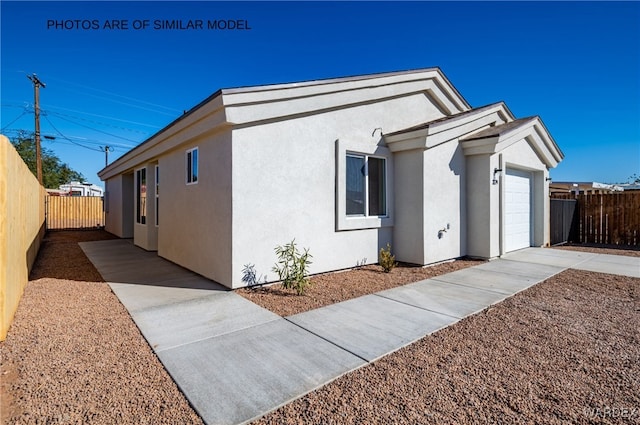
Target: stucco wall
{"type": "Point", "coordinates": [485, 203]}
{"type": "Point", "coordinates": [408, 229]}
{"type": "Point", "coordinates": [113, 206]}
{"type": "Point", "coordinates": [284, 184]}
{"type": "Point", "coordinates": [195, 220]}
{"type": "Point", "coordinates": [119, 214]}
{"type": "Point", "coordinates": [479, 204]}
{"type": "Point", "coordinates": [445, 227]}
{"type": "Point", "coordinates": [21, 229]}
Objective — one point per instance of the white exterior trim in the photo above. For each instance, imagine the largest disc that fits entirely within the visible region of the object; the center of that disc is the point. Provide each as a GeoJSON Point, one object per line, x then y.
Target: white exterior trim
{"type": "Point", "coordinates": [343, 221]}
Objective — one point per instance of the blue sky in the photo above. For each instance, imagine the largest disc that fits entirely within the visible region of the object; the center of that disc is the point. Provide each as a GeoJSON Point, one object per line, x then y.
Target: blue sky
{"type": "Point", "coordinates": [575, 64]}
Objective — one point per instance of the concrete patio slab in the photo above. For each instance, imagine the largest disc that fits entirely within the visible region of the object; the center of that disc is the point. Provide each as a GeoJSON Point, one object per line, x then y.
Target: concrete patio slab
{"type": "Point", "coordinates": [441, 297]}
{"type": "Point", "coordinates": [371, 326]}
{"type": "Point", "coordinates": [185, 322]}
{"type": "Point", "coordinates": [237, 377]}
{"type": "Point", "coordinates": [120, 261]}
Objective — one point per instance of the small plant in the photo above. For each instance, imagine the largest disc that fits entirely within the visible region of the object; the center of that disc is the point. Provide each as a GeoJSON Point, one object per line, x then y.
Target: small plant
{"type": "Point", "coordinates": [292, 267]}
{"type": "Point", "coordinates": [386, 260]}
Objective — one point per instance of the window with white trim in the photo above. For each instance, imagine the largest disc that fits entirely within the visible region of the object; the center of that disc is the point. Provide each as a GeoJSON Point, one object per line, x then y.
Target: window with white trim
{"type": "Point", "coordinates": [157, 193]}
{"type": "Point", "coordinates": [192, 166]}
{"type": "Point", "coordinates": [141, 196]}
{"type": "Point", "coordinates": [365, 186]}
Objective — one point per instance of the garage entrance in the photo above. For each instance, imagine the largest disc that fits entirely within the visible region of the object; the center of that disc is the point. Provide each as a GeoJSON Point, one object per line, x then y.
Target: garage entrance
{"type": "Point", "coordinates": [517, 212]}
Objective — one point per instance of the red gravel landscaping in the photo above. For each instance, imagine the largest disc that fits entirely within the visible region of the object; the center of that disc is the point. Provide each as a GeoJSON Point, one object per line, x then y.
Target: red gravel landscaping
{"type": "Point", "coordinates": [564, 351]}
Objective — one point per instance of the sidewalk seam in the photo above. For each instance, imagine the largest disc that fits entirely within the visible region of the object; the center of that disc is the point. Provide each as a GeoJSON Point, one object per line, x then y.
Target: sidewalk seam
{"type": "Point", "coordinates": [325, 339]}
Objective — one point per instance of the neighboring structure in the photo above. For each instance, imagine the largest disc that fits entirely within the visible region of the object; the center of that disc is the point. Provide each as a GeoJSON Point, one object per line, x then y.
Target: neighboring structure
{"type": "Point", "coordinates": [344, 166]}
{"type": "Point", "coordinates": [583, 187]}
{"type": "Point", "coordinates": [81, 189]}
{"type": "Point", "coordinates": [629, 186]}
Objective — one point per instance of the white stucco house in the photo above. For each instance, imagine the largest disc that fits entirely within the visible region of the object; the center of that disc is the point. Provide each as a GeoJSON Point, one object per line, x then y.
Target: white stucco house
{"type": "Point", "coordinates": [342, 165]}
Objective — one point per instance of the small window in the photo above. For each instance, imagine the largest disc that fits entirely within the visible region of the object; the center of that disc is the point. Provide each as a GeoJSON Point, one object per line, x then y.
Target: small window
{"type": "Point", "coordinates": [366, 186]}
{"type": "Point", "coordinates": [192, 166]}
{"type": "Point", "coordinates": [141, 196]}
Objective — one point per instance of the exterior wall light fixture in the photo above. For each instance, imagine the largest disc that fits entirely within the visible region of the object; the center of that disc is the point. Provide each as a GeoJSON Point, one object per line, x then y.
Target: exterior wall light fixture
{"type": "Point", "coordinates": [548, 179]}
{"type": "Point", "coordinates": [496, 173]}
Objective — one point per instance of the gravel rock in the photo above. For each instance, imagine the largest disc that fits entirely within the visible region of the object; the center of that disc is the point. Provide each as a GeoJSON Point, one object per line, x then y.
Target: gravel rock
{"type": "Point", "coordinates": [331, 288]}
{"type": "Point", "coordinates": [73, 354]}
{"type": "Point", "coordinates": [561, 352]}
{"type": "Point", "coordinates": [564, 351]}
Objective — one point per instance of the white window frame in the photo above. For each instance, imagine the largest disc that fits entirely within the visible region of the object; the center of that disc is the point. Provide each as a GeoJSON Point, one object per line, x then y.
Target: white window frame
{"type": "Point", "coordinates": [157, 193]}
{"type": "Point", "coordinates": [367, 183]}
{"type": "Point", "coordinates": [354, 222]}
{"type": "Point", "coordinates": [186, 157]}
{"type": "Point", "coordinates": [142, 220]}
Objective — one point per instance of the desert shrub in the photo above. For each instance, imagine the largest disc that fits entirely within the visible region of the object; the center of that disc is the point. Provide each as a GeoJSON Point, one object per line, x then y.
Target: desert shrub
{"type": "Point", "coordinates": [386, 260]}
{"type": "Point", "coordinates": [292, 267]}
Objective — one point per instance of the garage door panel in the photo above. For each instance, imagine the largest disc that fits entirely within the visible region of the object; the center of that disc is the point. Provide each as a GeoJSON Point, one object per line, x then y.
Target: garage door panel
{"type": "Point", "coordinates": [517, 216]}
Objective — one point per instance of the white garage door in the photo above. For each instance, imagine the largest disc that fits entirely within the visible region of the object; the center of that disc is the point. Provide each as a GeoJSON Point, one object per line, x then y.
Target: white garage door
{"type": "Point", "coordinates": [517, 212]}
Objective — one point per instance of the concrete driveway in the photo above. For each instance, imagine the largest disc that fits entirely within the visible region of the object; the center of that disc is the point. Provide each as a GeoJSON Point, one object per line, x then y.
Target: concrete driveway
{"type": "Point", "coordinates": [236, 361]}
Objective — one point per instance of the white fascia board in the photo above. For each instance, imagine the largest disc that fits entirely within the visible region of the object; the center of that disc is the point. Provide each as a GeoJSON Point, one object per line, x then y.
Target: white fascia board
{"type": "Point", "coordinates": [529, 132]}
{"type": "Point", "coordinates": [454, 122]}
{"type": "Point", "coordinates": [549, 143]}
{"type": "Point", "coordinates": [534, 134]}
{"type": "Point", "coordinates": [541, 149]}
{"type": "Point", "coordinates": [448, 129]}
{"type": "Point", "coordinates": [208, 118]}
{"type": "Point", "coordinates": [474, 123]}
{"type": "Point", "coordinates": [273, 109]}
{"type": "Point", "coordinates": [289, 91]}
{"type": "Point", "coordinates": [407, 144]}
{"type": "Point", "coordinates": [480, 146]}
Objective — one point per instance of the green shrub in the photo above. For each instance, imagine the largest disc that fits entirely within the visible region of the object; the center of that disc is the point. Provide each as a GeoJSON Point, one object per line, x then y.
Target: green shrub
{"type": "Point", "coordinates": [386, 260]}
{"type": "Point", "coordinates": [292, 267]}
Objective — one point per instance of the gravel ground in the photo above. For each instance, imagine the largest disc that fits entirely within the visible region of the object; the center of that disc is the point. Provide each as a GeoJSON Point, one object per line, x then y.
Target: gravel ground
{"type": "Point", "coordinates": [331, 288]}
{"type": "Point", "coordinates": [73, 354]}
{"type": "Point", "coordinates": [564, 351]}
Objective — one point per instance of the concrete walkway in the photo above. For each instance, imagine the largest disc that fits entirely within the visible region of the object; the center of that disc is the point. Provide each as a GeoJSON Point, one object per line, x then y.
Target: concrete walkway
{"type": "Point", "coordinates": [236, 361]}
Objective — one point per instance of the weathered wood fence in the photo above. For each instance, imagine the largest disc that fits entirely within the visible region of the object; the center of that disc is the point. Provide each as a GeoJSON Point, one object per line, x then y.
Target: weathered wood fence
{"type": "Point", "coordinates": [74, 212]}
{"type": "Point", "coordinates": [605, 218]}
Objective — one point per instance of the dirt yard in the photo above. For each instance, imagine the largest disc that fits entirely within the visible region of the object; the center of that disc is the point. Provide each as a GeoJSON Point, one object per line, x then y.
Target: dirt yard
{"type": "Point", "coordinates": [564, 351]}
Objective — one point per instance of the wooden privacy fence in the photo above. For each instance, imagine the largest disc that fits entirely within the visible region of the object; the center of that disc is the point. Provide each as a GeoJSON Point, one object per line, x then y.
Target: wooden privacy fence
{"type": "Point", "coordinates": [74, 212]}
{"type": "Point", "coordinates": [605, 218]}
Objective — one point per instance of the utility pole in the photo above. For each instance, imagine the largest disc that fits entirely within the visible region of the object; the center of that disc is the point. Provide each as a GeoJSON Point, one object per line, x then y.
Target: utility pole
{"type": "Point", "coordinates": [106, 150]}
{"type": "Point", "coordinates": [36, 94]}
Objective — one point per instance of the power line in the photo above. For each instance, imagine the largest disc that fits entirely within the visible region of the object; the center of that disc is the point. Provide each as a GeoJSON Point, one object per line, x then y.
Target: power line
{"type": "Point", "coordinates": [99, 131]}
{"type": "Point", "coordinates": [19, 116]}
{"type": "Point", "coordinates": [104, 116]}
{"type": "Point", "coordinates": [95, 122]}
{"type": "Point", "coordinates": [66, 138]}
{"type": "Point", "coordinates": [118, 95]}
